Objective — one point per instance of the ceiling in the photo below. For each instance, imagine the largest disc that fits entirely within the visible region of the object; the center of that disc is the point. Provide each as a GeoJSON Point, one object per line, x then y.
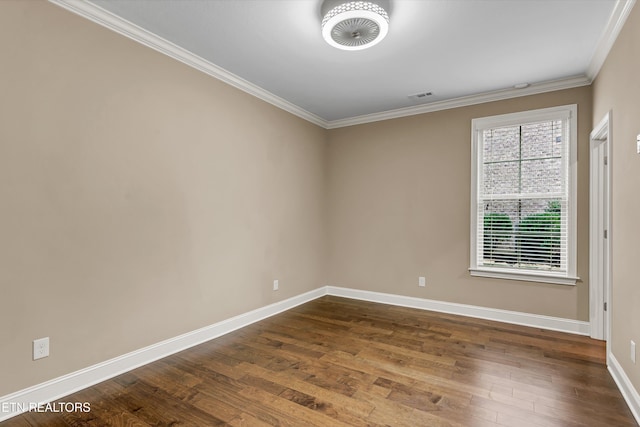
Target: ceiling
{"type": "Point", "coordinates": [462, 51]}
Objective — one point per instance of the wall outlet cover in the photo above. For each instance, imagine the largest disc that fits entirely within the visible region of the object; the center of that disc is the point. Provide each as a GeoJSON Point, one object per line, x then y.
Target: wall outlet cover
{"type": "Point", "coordinates": [40, 348]}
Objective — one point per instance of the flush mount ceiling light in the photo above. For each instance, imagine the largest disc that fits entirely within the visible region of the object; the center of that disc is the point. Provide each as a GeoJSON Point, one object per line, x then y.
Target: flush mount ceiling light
{"type": "Point", "coordinates": [355, 25]}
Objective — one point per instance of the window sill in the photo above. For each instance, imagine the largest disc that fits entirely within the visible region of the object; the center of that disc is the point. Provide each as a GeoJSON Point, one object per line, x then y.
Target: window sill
{"type": "Point", "coordinates": [529, 277]}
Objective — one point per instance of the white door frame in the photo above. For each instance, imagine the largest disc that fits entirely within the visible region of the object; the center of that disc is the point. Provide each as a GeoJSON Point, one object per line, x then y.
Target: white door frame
{"type": "Point", "coordinates": [600, 231]}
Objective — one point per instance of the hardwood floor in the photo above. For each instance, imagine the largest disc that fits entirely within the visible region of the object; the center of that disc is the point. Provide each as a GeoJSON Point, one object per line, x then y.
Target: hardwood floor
{"type": "Point", "coordinates": [340, 362]}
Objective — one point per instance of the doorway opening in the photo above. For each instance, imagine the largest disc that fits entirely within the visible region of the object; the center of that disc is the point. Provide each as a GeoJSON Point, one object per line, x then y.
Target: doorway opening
{"type": "Point", "coordinates": [600, 231]}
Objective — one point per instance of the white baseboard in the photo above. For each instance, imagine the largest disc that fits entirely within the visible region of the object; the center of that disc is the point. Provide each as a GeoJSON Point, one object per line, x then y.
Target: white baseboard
{"type": "Point", "coordinates": [16, 403]}
{"type": "Point", "coordinates": [629, 392]}
{"type": "Point", "coordinates": [514, 317]}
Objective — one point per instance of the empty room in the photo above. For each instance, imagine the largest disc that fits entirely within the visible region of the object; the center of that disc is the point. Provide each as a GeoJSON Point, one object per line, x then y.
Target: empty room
{"type": "Point", "coordinates": [319, 213]}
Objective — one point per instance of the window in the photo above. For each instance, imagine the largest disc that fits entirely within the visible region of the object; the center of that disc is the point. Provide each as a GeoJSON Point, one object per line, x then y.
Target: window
{"type": "Point", "coordinates": [523, 196]}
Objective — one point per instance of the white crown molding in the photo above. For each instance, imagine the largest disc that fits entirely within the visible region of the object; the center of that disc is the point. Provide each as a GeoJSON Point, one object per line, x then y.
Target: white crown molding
{"type": "Point", "coordinates": [618, 17]}
{"type": "Point", "coordinates": [514, 317]}
{"type": "Point", "coordinates": [464, 101]}
{"type": "Point", "coordinates": [623, 382]}
{"type": "Point", "coordinates": [121, 26]}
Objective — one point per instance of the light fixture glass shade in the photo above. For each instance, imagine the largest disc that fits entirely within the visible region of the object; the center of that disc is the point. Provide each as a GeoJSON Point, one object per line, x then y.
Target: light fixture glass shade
{"type": "Point", "coordinates": [355, 25]}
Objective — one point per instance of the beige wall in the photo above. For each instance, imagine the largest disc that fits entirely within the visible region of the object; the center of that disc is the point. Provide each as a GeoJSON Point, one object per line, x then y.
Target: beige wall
{"type": "Point", "coordinates": [139, 198]}
{"type": "Point", "coordinates": [399, 206]}
{"type": "Point", "coordinates": [617, 89]}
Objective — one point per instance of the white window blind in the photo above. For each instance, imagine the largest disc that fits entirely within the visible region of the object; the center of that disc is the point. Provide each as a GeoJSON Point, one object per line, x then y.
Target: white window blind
{"type": "Point", "coordinates": [523, 196]}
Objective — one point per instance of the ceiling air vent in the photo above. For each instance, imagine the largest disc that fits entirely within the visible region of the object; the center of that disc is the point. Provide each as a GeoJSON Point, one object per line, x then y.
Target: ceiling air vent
{"type": "Point", "coordinates": [422, 96]}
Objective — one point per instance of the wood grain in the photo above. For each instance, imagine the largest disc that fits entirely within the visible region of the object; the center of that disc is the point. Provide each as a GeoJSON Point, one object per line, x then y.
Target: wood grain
{"type": "Point", "coordinates": [341, 362]}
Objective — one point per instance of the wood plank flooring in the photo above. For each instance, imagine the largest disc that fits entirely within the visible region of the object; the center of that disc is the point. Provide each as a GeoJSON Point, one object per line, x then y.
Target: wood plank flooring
{"type": "Point", "coordinates": [341, 362]}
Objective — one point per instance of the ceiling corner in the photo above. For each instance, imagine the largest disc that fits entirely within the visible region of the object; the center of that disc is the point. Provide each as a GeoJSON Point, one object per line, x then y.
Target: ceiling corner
{"type": "Point", "coordinates": [618, 17]}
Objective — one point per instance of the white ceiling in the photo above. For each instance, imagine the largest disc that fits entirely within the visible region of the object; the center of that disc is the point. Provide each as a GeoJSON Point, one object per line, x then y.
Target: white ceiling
{"type": "Point", "coordinates": [456, 49]}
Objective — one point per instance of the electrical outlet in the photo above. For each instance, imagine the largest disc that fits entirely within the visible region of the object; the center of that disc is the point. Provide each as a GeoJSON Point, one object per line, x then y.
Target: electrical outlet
{"type": "Point", "coordinates": [276, 285]}
{"type": "Point", "coordinates": [633, 351]}
{"type": "Point", "coordinates": [40, 348]}
{"type": "Point", "coordinates": [422, 281]}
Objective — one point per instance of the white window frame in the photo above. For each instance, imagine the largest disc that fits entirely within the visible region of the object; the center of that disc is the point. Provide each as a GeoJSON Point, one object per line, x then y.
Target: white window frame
{"type": "Point", "coordinates": [568, 113]}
